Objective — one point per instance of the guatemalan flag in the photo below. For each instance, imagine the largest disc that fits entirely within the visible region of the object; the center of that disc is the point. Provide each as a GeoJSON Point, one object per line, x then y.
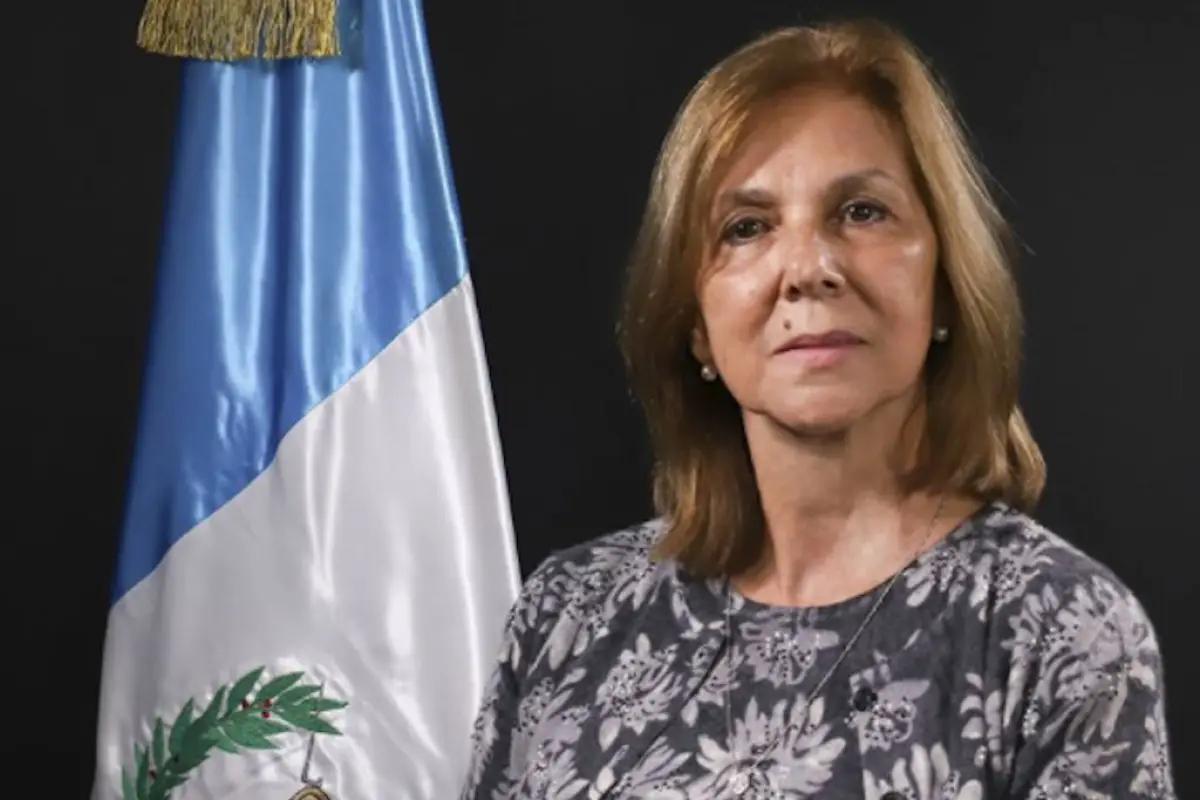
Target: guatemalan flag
{"type": "Point", "coordinates": [317, 555]}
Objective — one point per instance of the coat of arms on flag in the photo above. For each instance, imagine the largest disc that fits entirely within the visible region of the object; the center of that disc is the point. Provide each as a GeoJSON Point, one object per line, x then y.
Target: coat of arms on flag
{"type": "Point", "coordinates": [238, 717]}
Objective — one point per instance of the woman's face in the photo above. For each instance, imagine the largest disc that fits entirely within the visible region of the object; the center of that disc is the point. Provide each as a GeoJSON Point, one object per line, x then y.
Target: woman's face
{"type": "Point", "coordinates": [816, 295]}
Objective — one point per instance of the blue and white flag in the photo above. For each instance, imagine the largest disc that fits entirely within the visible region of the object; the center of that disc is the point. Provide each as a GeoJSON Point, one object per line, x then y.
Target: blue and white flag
{"type": "Point", "coordinates": [317, 555]}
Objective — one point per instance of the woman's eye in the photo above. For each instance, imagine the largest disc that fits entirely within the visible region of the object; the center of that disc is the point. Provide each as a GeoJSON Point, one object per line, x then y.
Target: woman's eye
{"type": "Point", "coordinates": [861, 212]}
{"type": "Point", "coordinates": [745, 229]}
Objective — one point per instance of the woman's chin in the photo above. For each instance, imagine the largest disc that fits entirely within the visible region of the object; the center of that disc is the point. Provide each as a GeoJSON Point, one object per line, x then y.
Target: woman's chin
{"type": "Point", "coordinates": [819, 422]}
{"type": "Point", "coordinates": [831, 411]}
{"type": "Point", "coordinates": [820, 427]}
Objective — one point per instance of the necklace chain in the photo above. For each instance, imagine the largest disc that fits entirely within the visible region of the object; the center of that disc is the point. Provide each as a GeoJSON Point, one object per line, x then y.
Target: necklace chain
{"type": "Point", "coordinates": [740, 780]}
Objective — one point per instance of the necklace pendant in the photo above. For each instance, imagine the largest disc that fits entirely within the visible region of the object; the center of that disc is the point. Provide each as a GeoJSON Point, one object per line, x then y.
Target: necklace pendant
{"type": "Point", "coordinates": [740, 783]}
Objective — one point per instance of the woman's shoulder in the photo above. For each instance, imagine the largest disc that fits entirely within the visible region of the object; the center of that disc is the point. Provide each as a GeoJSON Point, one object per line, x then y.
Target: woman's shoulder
{"type": "Point", "coordinates": [1043, 584]}
{"type": "Point", "coordinates": [1073, 654]}
{"type": "Point", "coordinates": [627, 548]}
{"type": "Point", "coordinates": [580, 588]}
{"type": "Point", "coordinates": [1024, 551]}
{"type": "Point", "coordinates": [587, 574]}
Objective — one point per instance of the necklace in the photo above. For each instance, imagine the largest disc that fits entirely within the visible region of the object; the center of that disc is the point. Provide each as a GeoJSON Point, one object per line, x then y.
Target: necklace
{"type": "Point", "coordinates": [739, 783]}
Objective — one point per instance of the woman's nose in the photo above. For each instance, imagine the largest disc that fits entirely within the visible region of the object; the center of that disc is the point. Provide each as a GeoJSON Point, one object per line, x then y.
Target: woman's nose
{"type": "Point", "coordinates": [813, 268]}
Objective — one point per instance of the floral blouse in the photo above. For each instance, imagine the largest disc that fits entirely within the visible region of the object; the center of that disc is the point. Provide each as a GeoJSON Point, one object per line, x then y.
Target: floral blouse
{"type": "Point", "coordinates": [1004, 663]}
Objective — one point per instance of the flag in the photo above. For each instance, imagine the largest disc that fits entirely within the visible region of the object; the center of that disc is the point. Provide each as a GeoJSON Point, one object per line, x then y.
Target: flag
{"type": "Point", "coordinates": [317, 552]}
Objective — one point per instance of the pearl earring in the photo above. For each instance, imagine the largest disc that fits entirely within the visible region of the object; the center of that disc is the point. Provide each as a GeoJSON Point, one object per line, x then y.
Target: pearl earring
{"type": "Point", "coordinates": [941, 333]}
{"type": "Point", "coordinates": [708, 373]}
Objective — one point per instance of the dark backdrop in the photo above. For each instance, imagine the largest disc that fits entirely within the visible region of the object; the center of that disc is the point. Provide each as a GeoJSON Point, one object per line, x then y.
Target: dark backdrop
{"type": "Point", "coordinates": [554, 111]}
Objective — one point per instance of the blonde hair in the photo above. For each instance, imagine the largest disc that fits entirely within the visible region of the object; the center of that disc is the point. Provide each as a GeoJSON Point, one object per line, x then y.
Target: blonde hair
{"type": "Point", "coordinates": [975, 440]}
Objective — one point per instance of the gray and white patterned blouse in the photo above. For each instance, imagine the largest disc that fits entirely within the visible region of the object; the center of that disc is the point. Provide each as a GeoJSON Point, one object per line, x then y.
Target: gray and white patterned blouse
{"type": "Point", "coordinates": [1005, 663]}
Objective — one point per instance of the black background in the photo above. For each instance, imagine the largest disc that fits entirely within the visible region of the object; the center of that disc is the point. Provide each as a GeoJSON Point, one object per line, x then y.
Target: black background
{"type": "Point", "coordinates": [1086, 116]}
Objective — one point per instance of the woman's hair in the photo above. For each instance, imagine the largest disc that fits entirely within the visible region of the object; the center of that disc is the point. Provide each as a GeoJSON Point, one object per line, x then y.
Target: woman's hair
{"type": "Point", "coordinates": [975, 439]}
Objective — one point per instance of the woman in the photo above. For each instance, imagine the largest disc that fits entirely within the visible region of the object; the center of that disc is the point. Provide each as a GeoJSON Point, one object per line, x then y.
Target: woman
{"type": "Point", "coordinates": [843, 595]}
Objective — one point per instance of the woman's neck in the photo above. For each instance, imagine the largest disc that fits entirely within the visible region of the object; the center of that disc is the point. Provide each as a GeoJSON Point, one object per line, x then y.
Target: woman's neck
{"type": "Point", "coordinates": [838, 521]}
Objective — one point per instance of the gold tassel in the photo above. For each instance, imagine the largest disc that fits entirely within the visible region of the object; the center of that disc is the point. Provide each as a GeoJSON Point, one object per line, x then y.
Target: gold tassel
{"type": "Point", "coordinates": [227, 30]}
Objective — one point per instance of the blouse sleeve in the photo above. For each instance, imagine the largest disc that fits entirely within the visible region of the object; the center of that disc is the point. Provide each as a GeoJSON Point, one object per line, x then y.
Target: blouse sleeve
{"type": "Point", "coordinates": [492, 767]}
{"type": "Point", "coordinates": [1094, 723]}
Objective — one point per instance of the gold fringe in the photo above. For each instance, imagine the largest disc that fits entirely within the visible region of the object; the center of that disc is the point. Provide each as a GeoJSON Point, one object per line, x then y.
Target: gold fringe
{"type": "Point", "coordinates": [227, 30]}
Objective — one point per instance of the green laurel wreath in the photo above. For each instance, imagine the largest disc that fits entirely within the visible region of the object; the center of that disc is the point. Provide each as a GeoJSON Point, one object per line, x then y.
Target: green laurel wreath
{"type": "Point", "coordinates": [231, 721]}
